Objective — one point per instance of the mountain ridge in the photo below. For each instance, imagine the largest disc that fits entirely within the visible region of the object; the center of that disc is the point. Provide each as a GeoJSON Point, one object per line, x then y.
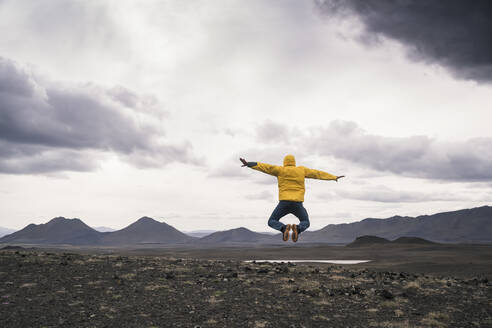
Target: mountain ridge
{"type": "Point", "coordinates": [146, 231]}
{"type": "Point", "coordinates": [58, 230]}
{"type": "Point", "coordinates": [368, 240]}
{"type": "Point", "coordinates": [462, 226]}
{"type": "Point", "coordinates": [237, 235]}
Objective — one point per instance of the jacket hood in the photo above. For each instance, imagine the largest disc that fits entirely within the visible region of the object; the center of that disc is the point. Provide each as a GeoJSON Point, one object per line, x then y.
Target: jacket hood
{"type": "Point", "coordinates": [289, 160]}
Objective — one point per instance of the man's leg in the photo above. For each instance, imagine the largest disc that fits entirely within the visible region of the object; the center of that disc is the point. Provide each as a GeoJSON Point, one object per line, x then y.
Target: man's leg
{"type": "Point", "coordinates": [279, 212]}
{"type": "Point", "coordinates": [303, 217]}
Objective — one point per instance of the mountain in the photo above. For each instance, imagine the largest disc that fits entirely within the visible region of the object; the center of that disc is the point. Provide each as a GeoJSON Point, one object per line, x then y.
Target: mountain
{"type": "Point", "coordinates": [239, 235]}
{"type": "Point", "coordinates": [57, 231]}
{"type": "Point", "coordinates": [5, 231]}
{"type": "Point", "coordinates": [363, 241]}
{"type": "Point", "coordinates": [146, 231]}
{"type": "Point", "coordinates": [463, 226]}
{"type": "Point", "coordinates": [412, 240]}
{"type": "Point", "coordinates": [103, 229]}
{"type": "Point", "coordinates": [368, 240]}
{"type": "Point", "coordinates": [199, 233]}
{"type": "Point", "coordinates": [75, 232]}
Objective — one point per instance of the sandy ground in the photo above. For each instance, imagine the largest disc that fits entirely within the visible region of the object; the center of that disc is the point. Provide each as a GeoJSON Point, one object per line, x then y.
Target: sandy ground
{"type": "Point", "coordinates": [409, 286]}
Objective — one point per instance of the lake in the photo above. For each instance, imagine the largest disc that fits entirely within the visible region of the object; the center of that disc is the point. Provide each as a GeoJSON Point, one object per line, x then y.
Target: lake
{"type": "Point", "coordinates": [313, 261]}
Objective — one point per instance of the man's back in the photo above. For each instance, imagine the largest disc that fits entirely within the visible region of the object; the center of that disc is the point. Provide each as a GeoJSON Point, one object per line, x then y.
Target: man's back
{"type": "Point", "coordinates": [291, 178]}
{"type": "Point", "coordinates": [291, 183]}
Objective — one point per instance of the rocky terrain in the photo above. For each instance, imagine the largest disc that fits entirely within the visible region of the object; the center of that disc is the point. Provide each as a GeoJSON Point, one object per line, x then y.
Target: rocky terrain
{"type": "Point", "coordinates": [44, 288]}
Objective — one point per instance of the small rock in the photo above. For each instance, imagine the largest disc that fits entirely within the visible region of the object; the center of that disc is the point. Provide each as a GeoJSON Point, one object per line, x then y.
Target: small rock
{"type": "Point", "coordinates": [386, 294]}
{"type": "Point", "coordinates": [282, 269]}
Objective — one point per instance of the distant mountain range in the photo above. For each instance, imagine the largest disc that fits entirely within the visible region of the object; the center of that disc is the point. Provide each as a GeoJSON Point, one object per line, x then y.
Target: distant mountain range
{"type": "Point", "coordinates": [463, 226]}
{"type": "Point", "coordinates": [239, 235]}
{"type": "Point", "coordinates": [75, 232]}
{"type": "Point", "coordinates": [103, 229]}
{"type": "Point", "coordinates": [199, 233]}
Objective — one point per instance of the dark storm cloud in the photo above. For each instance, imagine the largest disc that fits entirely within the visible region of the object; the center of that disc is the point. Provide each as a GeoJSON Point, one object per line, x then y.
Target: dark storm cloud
{"type": "Point", "coordinates": [54, 127]}
{"type": "Point", "coordinates": [20, 159]}
{"type": "Point", "coordinates": [454, 33]}
{"type": "Point", "coordinates": [417, 156]}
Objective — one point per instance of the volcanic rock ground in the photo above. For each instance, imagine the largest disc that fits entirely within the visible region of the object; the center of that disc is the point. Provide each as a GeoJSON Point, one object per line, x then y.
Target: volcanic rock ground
{"type": "Point", "coordinates": [56, 288]}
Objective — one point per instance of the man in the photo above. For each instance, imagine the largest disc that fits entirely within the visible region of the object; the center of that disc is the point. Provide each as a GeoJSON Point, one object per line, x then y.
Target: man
{"type": "Point", "coordinates": [291, 193]}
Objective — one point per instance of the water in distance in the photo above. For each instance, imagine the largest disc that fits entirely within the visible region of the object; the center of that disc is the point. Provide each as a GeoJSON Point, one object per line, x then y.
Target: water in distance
{"type": "Point", "coordinates": [313, 261]}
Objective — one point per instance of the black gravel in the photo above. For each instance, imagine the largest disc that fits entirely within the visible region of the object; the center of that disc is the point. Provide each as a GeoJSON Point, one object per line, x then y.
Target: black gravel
{"type": "Point", "coordinates": [43, 289]}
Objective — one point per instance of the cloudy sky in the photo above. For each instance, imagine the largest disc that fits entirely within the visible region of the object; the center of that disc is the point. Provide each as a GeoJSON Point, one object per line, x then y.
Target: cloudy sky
{"type": "Point", "coordinates": [112, 110]}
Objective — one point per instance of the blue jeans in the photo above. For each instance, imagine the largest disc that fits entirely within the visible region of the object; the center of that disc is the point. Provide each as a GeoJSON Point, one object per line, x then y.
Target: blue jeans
{"type": "Point", "coordinates": [285, 207]}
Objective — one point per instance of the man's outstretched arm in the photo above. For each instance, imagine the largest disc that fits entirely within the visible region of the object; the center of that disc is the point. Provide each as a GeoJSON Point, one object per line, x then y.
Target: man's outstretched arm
{"type": "Point", "coordinates": [262, 167]}
{"type": "Point", "coordinates": [248, 164]}
{"type": "Point", "coordinates": [317, 174]}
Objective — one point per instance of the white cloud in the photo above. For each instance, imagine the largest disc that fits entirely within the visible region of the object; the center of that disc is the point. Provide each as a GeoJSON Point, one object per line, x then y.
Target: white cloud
{"type": "Point", "coordinates": [414, 156]}
{"type": "Point", "coordinates": [261, 195]}
{"type": "Point", "coordinates": [381, 193]}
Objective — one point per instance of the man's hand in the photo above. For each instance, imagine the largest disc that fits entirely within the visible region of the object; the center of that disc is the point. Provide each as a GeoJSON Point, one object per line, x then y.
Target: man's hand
{"type": "Point", "coordinates": [339, 177]}
{"type": "Point", "coordinates": [244, 162]}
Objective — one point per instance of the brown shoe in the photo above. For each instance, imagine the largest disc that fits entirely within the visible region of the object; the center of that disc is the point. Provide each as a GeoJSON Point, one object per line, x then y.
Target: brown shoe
{"type": "Point", "coordinates": [285, 236]}
{"type": "Point", "coordinates": [295, 233]}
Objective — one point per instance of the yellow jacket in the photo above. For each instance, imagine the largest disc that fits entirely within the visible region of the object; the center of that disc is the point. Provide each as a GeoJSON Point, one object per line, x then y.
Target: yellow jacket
{"type": "Point", "coordinates": [291, 178]}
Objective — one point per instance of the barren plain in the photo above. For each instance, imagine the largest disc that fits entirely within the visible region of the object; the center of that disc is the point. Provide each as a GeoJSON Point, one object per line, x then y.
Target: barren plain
{"type": "Point", "coordinates": [404, 286]}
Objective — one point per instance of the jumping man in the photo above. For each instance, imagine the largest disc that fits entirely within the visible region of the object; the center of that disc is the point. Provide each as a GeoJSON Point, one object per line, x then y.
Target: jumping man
{"type": "Point", "coordinates": [291, 193]}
